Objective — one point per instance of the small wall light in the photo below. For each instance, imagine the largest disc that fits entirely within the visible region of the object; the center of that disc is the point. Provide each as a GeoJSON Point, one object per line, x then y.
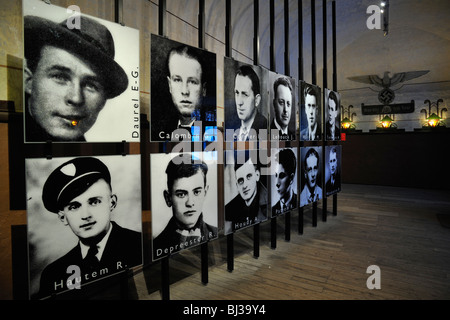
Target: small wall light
{"type": "Point", "coordinates": [346, 123]}
{"type": "Point", "coordinates": [433, 120]}
{"type": "Point", "coordinates": [387, 122]}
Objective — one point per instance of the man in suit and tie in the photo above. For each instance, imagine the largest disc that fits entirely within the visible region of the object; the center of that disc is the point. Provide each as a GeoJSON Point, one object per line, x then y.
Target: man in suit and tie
{"type": "Point", "coordinates": [282, 104]}
{"type": "Point", "coordinates": [311, 111]}
{"type": "Point", "coordinates": [248, 99]}
{"type": "Point", "coordinates": [79, 192]}
{"type": "Point", "coordinates": [286, 164]}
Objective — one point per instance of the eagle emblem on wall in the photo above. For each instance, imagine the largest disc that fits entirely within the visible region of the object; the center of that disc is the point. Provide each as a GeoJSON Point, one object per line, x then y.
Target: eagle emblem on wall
{"type": "Point", "coordinates": [387, 95]}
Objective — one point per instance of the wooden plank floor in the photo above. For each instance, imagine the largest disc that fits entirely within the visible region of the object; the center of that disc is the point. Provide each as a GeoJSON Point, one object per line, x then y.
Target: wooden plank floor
{"type": "Point", "coordinates": [396, 229]}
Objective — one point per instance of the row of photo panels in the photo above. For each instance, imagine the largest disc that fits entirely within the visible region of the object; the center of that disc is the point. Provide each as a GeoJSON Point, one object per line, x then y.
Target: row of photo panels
{"type": "Point", "coordinates": [91, 91]}
{"type": "Point", "coordinates": [84, 214]}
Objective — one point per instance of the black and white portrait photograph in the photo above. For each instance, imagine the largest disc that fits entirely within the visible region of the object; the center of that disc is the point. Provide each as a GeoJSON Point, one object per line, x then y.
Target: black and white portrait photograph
{"type": "Point", "coordinates": [283, 107]}
{"type": "Point", "coordinates": [332, 115]}
{"type": "Point", "coordinates": [84, 220]}
{"type": "Point", "coordinates": [183, 92]}
{"type": "Point", "coordinates": [284, 181]}
{"type": "Point", "coordinates": [246, 101]}
{"type": "Point", "coordinates": [81, 77]}
{"type": "Point", "coordinates": [311, 175]}
{"type": "Point", "coordinates": [333, 169]}
{"type": "Point", "coordinates": [183, 201]}
{"type": "Point", "coordinates": [310, 112]}
{"type": "Point", "coordinates": [246, 189]}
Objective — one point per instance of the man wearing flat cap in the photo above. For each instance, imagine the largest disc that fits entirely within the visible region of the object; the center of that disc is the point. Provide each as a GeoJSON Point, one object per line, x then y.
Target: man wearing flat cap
{"type": "Point", "coordinates": [80, 193]}
{"type": "Point", "coordinates": [68, 77]}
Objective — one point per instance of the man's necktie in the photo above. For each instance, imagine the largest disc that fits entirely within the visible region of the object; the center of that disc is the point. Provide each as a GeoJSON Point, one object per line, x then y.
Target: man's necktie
{"type": "Point", "coordinates": [90, 258]}
{"type": "Point", "coordinates": [243, 135]}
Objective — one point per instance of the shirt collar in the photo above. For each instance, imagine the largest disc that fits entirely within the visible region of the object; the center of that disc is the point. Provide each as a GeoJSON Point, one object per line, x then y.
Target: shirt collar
{"type": "Point", "coordinates": [244, 130]}
{"type": "Point", "coordinates": [190, 124]}
{"type": "Point", "coordinates": [100, 246]}
{"type": "Point", "coordinates": [283, 131]}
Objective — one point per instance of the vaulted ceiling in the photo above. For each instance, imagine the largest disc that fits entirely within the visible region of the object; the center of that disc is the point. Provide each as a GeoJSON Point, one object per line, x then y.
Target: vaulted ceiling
{"type": "Point", "coordinates": [418, 39]}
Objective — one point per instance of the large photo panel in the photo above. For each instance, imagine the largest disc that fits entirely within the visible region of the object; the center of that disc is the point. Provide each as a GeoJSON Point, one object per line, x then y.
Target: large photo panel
{"type": "Point", "coordinates": [183, 92]}
{"type": "Point", "coordinates": [332, 109]}
{"type": "Point", "coordinates": [184, 201]}
{"type": "Point", "coordinates": [311, 175]}
{"type": "Point", "coordinates": [333, 169]}
{"type": "Point", "coordinates": [84, 220]}
{"type": "Point", "coordinates": [310, 112]}
{"type": "Point", "coordinates": [246, 101]}
{"type": "Point", "coordinates": [284, 186]}
{"type": "Point", "coordinates": [81, 77]}
{"type": "Point", "coordinates": [283, 107]}
{"type": "Point", "coordinates": [245, 189]}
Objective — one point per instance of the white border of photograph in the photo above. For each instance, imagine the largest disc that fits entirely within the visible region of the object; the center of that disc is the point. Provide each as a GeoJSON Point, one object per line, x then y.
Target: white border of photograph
{"type": "Point", "coordinates": [47, 236]}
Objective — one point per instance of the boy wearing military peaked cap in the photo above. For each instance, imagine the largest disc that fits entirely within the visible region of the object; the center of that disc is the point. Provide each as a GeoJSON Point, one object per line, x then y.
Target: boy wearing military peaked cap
{"type": "Point", "coordinates": [79, 191]}
{"type": "Point", "coordinates": [72, 179]}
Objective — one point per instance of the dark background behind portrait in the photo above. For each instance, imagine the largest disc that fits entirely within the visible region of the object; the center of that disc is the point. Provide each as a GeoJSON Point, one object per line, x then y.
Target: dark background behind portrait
{"type": "Point", "coordinates": [275, 197]}
{"type": "Point", "coordinates": [230, 187]}
{"type": "Point", "coordinates": [338, 116]}
{"type": "Point", "coordinates": [339, 161]}
{"type": "Point", "coordinates": [303, 151]}
{"type": "Point", "coordinates": [303, 120]}
{"type": "Point", "coordinates": [231, 66]}
{"type": "Point", "coordinates": [161, 107]}
{"type": "Point", "coordinates": [292, 122]}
